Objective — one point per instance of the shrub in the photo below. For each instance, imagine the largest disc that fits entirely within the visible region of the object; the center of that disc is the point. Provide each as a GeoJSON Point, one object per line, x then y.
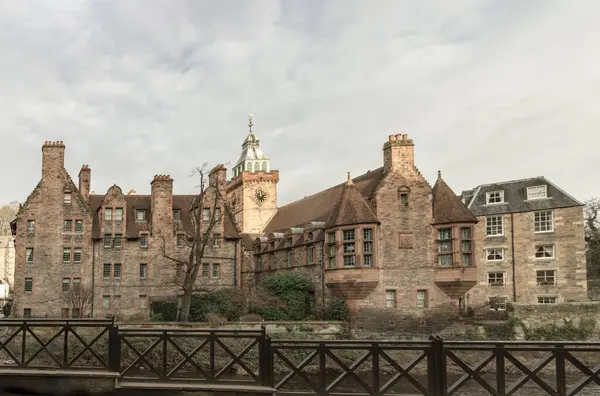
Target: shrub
{"type": "Point", "coordinates": [337, 310]}
{"type": "Point", "coordinates": [165, 311]}
{"type": "Point", "coordinates": [223, 302]}
{"type": "Point", "coordinates": [292, 298]}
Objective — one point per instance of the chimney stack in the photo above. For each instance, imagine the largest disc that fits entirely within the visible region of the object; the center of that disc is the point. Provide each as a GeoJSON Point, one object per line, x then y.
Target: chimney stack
{"type": "Point", "coordinates": [85, 180]}
{"type": "Point", "coordinates": [53, 159]}
{"type": "Point", "coordinates": [218, 177]}
{"type": "Point", "coordinates": [398, 152]}
{"type": "Point", "coordinates": [161, 203]}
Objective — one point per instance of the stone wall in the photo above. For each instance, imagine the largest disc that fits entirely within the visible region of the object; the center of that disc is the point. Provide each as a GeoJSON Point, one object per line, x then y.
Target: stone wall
{"type": "Point", "coordinates": [535, 316]}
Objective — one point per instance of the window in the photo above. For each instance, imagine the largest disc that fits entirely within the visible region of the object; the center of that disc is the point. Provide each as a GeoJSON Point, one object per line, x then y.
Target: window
{"type": "Point", "coordinates": [64, 313]}
{"type": "Point", "coordinates": [217, 214]}
{"type": "Point", "coordinates": [546, 277]}
{"type": "Point", "coordinates": [107, 241]}
{"type": "Point", "coordinates": [117, 271]}
{"type": "Point", "coordinates": [143, 270]}
{"type": "Point", "coordinates": [66, 255]}
{"type": "Point", "coordinates": [289, 241]}
{"type": "Point", "coordinates": [119, 214]}
{"type": "Point", "coordinates": [537, 192]}
{"type": "Point", "coordinates": [310, 236]}
{"type": "Point", "coordinates": [143, 301]}
{"type": "Point", "coordinates": [79, 226]}
{"type": "Point", "coordinates": [28, 285]}
{"type": "Point", "coordinates": [140, 215]}
{"type": "Point", "coordinates": [205, 270]}
{"type": "Point", "coordinates": [495, 278]}
{"type": "Point", "coordinates": [106, 302]}
{"type": "Point", "coordinates": [349, 248]}
{"type": "Point", "coordinates": [27, 312]}
{"type": "Point", "coordinates": [421, 298]}
{"type": "Point", "coordinates": [259, 262]}
{"type": "Point", "coordinates": [76, 284]}
{"type": "Point", "coordinates": [289, 257]}
{"type": "Point", "coordinates": [117, 242]}
{"type": "Point", "coordinates": [66, 285]}
{"type": "Point", "coordinates": [403, 199]}
{"type": "Point", "coordinates": [179, 240]}
{"type": "Point", "coordinates": [494, 254]}
{"type": "Point", "coordinates": [176, 215]}
{"type": "Point", "coordinates": [206, 214]}
{"type": "Point", "coordinates": [547, 300]}
{"type": "Point", "coordinates": [390, 298]}
{"type": "Point", "coordinates": [544, 252]}
{"type": "Point", "coordinates": [77, 253]}
{"type": "Point", "coordinates": [466, 246]}
{"type": "Point", "coordinates": [543, 221]}
{"type": "Point", "coordinates": [216, 240]}
{"type": "Point", "coordinates": [216, 271]}
{"type": "Point", "coordinates": [68, 226]}
{"type": "Point", "coordinates": [29, 255]}
{"type": "Point", "coordinates": [117, 301]}
{"type": "Point", "coordinates": [108, 214]}
{"type": "Point", "coordinates": [332, 249]}
{"type": "Point", "coordinates": [310, 253]}
{"type": "Point", "coordinates": [494, 226]}
{"type": "Point", "coordinates": [445, 247]}
{"type": "Point", "coordinates": [144, 241]}
{"type": "Point", "coordinates": [67, 198]}
{"type": "Point", "coordinates": [498, 303]}
{"type": "Point", "coordinates": [106, 271]}
{"type": "Point", "coordinates": [367, 247]}
{"type": "Point", "coordinates": [494, 197]}
{"type": "Point", "coordinates": [30, 226]}
{"type": "Point", "coordinates": [179, 270]}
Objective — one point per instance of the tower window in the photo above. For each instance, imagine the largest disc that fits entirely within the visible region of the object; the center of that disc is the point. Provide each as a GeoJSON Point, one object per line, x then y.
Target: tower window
{"type": "Point", "coordinates": [403, 195]}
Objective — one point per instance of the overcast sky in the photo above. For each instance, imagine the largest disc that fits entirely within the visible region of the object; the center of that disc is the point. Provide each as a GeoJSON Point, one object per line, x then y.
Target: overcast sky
{"type": "Point", "coordinates": [488, 90]}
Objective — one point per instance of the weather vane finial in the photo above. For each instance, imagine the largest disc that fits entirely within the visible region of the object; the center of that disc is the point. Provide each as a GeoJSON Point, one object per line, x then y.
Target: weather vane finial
{"type": "Point", "coordinates": [250, 121]}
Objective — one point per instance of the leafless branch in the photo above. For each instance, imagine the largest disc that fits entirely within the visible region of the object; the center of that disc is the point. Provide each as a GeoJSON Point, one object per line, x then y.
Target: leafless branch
{"type": "Point", "coordinates": [79, 299]}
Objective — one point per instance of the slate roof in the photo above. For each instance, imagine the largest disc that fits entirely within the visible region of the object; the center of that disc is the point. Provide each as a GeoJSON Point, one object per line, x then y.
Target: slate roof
{"type": "Point", "coordinates": [318, 207]}
{"type": "Point", "coordinates": [350, 208]}
{"type": "Point", "coordinates": [515, 197]}
{"type": "Point", "coordinates": [134, 202]}
{"type": "Point", "coordinates": [447, 206]}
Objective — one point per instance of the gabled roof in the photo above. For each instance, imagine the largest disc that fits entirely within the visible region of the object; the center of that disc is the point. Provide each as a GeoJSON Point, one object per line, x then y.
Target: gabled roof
{"type": "Point", "coordinates": [515, 197]}
{"type": "Point", "coordinates": [350, 208]}
{"type": "Point", "coordinates": [317, 207]}
{"type": "Point", "coordinates": [447, 206]}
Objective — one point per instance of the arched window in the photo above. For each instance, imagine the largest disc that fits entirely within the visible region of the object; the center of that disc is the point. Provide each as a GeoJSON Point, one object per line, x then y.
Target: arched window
{"type": "Point", "coordinates": [264, 166]}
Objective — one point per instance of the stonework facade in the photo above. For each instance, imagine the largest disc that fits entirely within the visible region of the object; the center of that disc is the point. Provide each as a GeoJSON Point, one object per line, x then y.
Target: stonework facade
{"type": "Point", "coordinates": [385, 241]}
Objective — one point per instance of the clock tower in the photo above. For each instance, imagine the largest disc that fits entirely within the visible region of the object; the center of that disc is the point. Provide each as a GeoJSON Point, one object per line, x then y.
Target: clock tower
{"type": "Point", "coordinates": [252, 190]}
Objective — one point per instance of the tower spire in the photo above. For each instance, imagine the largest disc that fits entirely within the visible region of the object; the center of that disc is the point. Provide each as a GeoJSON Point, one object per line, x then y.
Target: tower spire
{"type": "Point", "coordinates": [250, 121]}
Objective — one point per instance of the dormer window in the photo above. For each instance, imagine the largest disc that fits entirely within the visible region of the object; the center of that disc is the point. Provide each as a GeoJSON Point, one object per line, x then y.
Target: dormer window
{"type": "Point", "coordinates": [176, 215]}
{"type": "Point", "coordinates": [119, 214]}
{"type": "Point", "coordinates": [494, 197]}
{"type": "Point", "coordinates": [537, 192]}
{"type": "Point", "coordinates": [67, 198]}
{"type": "Point", "coordinates": [108, 214]}
{"type": "Point", "coordinates": [140, 215]}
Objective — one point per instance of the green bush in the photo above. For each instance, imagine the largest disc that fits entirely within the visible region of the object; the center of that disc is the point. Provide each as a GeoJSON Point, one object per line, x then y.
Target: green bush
{"type": "Point", "coordinates": [292, 291]}
{"type": "Point", "coordinates": [224, 303]}
{"type": "Point", "coordinates": [164, 311]}
{"type": "Point", "coordinates": [337, 310]}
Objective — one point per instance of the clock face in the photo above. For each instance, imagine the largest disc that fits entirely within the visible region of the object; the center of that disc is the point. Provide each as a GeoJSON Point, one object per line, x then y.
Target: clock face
{"type": "Point", "coordinates": [260, 195]}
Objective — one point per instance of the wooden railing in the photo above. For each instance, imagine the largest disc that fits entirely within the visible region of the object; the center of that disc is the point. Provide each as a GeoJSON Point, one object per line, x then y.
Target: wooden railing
{"type": "Point", "coordinates": [432, 367]}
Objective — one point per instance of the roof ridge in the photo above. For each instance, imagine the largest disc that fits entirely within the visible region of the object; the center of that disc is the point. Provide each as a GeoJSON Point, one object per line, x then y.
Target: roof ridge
{"type": "Point", "coordinates": [510, 181]}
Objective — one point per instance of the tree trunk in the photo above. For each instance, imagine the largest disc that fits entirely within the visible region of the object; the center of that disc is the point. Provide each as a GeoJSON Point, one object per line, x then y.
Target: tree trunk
{"type": "Point", "coordinates": [186, 303]}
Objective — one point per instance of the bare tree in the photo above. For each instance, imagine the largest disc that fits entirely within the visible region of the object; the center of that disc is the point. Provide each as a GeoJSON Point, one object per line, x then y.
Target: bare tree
{"type": "Point", "coordinates": [592, 237]}
{"type": "Point", "coordinates": [189, 262]}
{"type": "Point", "coordinates": [7, 214]}
{"type": "Point", "coordinates": [79, 299]}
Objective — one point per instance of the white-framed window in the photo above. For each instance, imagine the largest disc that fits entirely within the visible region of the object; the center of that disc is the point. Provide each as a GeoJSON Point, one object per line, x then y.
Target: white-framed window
{"type": "Point", "coordinates": [494, 225]}
{"type": "Point", "coordinates": [119, 214]}
{"type": "Point", "coordinates": [545, 277]}
{"type": "Point", "coordinates": [547, 300]}
{"type": "Point", "coordinates": [544, 252]}
{"type": "Point", "coordinates": [390, 298]}
{"type": "Point", "coordinates": [496, 278]}
{"type": "Point", "coordinates": [445, 247]}
{"type": "Point", "coordinates": [421, 298]}
{"type": "Point", "coordinates": [105, 302]}
{"type": "Point", "coordinates": [494, 254]}
{"type": "Point", "coordinates": [494, 197]}
{"type": "Point", "coordinates": [537, 192]}
{"type": "Point", "coordinates": [206, 214]}
{"type": "Point", "coordinates": [543, 221]}
{"type": "Point", "coordinates": [67, 198]}
{"type": "Point", "coordinates": [140, 215]}
{"type": "Point", "coordinates": [498, 303]}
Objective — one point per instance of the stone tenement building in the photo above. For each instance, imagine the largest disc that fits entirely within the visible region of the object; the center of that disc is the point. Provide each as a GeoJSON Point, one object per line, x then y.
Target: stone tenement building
{"type": "Point", "coordinates": [531, 243]}
{"type": "Point", "coordinates": [385, 240]}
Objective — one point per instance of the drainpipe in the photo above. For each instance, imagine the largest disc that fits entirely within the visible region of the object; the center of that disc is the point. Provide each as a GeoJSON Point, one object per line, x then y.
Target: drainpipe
{"type": "Point", "coordinates": [323, 278]}
{"type": "Point", "coordinates": [93, 275]}
{"type": "Point", "coordinates": [235, 264]}
{"type": "Point", "coordinates": [512, 237]}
